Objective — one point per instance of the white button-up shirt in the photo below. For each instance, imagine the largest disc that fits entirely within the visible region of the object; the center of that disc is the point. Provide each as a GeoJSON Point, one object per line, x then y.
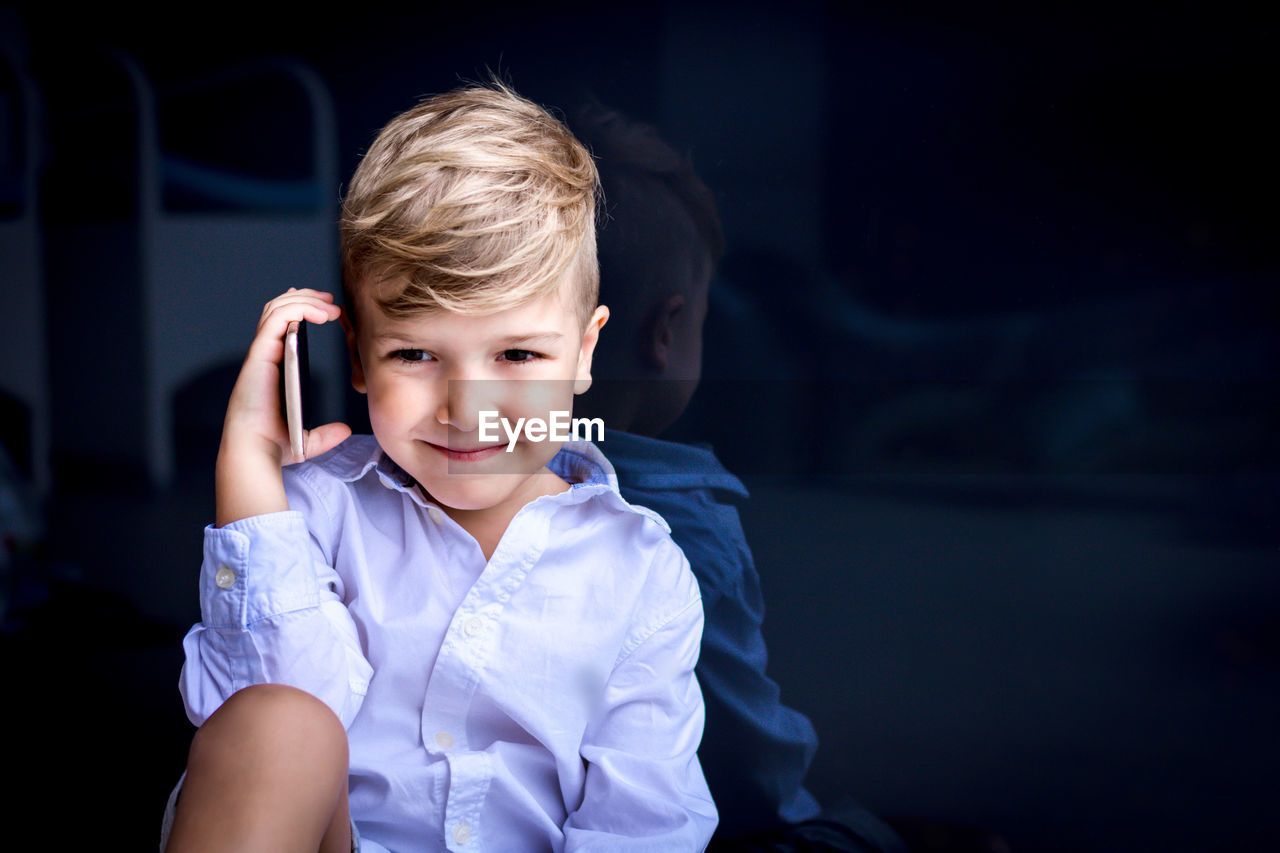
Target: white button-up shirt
{"type": "Point", "coordinates": [544, 699]}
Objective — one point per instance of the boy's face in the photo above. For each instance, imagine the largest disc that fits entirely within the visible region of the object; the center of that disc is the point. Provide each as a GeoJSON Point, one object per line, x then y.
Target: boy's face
{"type": "Point", "coordinates": [429, 377]}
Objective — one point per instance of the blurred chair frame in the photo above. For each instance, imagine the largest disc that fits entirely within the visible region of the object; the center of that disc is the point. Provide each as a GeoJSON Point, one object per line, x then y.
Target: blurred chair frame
{"type": "Point", "coordinates": [24, 371]}
{"type": "Point", "coordinates": [163, 296]}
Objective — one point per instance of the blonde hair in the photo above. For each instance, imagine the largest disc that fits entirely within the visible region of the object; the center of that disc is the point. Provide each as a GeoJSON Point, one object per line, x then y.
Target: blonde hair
{"type": "Point", "coordinates": [477, 200]}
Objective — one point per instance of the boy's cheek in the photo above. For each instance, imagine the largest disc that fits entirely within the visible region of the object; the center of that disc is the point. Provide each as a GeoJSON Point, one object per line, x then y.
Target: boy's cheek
{"type": "Point", "coordinates": [389, 412]}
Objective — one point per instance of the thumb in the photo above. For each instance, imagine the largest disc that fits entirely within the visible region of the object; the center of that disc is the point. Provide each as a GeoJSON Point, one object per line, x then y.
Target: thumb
{"type": "Point", "coordinates": [324, 438]}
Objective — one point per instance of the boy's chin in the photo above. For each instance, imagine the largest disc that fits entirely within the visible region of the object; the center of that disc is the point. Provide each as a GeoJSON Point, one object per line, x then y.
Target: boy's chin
{"type": "Point", "coordinates": [475, 492]}
{"type": "Point", "coordinates": [491, 482]}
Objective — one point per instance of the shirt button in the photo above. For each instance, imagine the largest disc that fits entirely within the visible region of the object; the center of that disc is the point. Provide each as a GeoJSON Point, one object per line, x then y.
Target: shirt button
{"type": "Point", "coordinates": [473, 626]}
{"type": "Point", "coordinates": [461, 833]}
{"type": "Point", "coordinates": [444, 739]}
{"type": "Point", "coordinates": [225, 578]}
{"type": "Point", "coordinates": [435, 513]}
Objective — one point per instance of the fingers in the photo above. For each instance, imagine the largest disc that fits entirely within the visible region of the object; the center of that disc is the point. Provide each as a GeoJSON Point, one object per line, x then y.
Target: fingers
{"type": "Point", "coordinates": [253, 412]}
{"type": "Point", "coordinates": [324, 438]}
{"type": "Point", "coordinates": [314, 306]}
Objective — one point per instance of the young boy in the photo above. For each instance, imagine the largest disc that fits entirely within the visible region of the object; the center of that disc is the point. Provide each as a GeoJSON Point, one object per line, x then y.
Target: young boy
{"type": "Point", "coordinates": [419, 640]}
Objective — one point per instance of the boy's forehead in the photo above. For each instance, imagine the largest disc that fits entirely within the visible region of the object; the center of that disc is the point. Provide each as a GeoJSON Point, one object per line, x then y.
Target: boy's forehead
{"type": "Point", "coordinates": [368, 298]}
{"type": "Point", "coordinates": [545, 316]}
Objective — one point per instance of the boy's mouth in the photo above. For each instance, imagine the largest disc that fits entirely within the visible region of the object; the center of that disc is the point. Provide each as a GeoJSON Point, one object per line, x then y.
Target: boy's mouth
{"type": "Point", "coordinates": [467, 454]}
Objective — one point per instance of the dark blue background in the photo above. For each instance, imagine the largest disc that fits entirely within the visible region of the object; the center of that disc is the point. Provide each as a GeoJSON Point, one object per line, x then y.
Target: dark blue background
{"type": "Point", "coordinates": [993, 344]}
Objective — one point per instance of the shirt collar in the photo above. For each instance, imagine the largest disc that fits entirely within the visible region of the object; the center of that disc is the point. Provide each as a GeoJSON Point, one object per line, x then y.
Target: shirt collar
{"type": "Point", "coordinates": [354, 458]}
{"type": "Point", "coordinates": [580, 463]}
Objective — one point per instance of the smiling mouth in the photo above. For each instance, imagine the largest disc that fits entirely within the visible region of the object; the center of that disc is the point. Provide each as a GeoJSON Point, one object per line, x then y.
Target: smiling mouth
{"type": "Point", "coordinates": [474, 454]}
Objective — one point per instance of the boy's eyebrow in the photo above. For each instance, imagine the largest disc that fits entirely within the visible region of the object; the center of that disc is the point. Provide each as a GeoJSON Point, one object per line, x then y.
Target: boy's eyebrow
{"type": "Point", "coordinates": [396, 337]}
{"type": "Point", "coordinates": [533, 338]}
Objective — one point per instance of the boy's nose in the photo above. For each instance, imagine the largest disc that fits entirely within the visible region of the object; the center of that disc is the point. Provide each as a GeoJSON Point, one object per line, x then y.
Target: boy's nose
{"type": "Point", "coordinates": [462, 402]}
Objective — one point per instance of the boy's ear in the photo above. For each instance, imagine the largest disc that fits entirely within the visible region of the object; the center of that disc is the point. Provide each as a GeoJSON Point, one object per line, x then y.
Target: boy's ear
{"type": "Point", "coordinates": [590, 337]}
{"type": "Point", "coordinates": [353, 351]}
{"type": "Point", "coordinates": [659, 331]}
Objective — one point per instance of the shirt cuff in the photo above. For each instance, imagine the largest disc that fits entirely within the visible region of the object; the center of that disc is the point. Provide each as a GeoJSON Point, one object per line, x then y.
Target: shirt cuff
{"type": "Point", "coordinates": [256, 568]}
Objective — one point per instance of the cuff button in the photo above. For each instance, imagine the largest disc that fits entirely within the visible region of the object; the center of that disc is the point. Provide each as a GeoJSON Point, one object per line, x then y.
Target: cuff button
{"type": "Point", "coordinates": [225, 578]}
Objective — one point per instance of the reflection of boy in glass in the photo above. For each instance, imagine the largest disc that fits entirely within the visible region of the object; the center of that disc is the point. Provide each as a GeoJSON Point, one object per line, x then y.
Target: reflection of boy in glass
{"type": "Point", "coordinates": [659, 242]}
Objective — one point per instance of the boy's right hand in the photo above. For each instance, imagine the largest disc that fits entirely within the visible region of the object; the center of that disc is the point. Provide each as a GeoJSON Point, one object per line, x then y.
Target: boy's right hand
{"type": "Point", "coordinates": [255, 440]}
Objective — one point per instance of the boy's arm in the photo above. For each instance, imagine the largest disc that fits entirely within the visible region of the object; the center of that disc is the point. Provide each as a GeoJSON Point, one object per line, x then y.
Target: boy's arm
{"type": "Point", "coordinates": [271, 605]}
{"type": "Point", "coordinates": [644, 786]}
{"type": "Point", "coordinates": [272, 611]}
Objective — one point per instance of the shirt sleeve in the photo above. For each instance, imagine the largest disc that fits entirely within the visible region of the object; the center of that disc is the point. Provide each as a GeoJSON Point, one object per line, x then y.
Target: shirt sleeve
{"type": "Point", "coordinates": [644, 786]}
{"type": "Point", "coordinates": [271, 612]}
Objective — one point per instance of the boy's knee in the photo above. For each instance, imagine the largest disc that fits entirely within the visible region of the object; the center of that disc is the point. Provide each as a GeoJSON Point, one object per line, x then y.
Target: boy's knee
{"type": "Point", "coordinates": [272, 717]}
{"type": "Point", "coordinates": [270, 753]}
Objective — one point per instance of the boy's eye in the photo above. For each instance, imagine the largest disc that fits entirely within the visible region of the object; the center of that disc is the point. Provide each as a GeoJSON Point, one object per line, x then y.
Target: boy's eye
{"type": "Point", "coordinates": [518, 355]}
{"type": "Point", "coordinates": [410, 355]}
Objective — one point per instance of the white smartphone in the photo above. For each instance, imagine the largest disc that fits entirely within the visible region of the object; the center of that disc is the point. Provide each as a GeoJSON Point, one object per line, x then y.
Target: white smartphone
{"type": "Point", "coordinates": [295, 382]}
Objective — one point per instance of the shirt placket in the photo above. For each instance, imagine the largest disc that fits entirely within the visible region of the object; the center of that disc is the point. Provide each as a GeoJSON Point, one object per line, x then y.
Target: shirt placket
{"type": "Point", "coordinates": [469, 644]}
